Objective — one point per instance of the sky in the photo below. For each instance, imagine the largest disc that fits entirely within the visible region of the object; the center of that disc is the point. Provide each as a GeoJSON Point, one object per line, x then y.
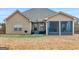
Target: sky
{"type": "Point", "coordinates": [5, 12]}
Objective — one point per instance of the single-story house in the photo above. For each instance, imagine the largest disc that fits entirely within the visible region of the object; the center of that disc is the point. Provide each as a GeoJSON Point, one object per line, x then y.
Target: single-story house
{"type": "Point", "coordinates": [40, 21]}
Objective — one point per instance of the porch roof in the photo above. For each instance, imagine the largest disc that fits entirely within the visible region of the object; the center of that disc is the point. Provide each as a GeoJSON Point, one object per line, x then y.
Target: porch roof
{"type": "Point", "coordinates": [73, 17]}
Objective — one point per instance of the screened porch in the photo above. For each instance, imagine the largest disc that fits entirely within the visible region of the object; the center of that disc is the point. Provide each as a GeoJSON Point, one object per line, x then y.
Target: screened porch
{"type": "Point", "coordinates": [60, 28]}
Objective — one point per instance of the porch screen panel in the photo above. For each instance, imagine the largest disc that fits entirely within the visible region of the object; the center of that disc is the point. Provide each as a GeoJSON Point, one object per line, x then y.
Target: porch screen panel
{"type": "Point", "coordinates": [53, 27]}
{"type": "Point", "coordinates": [66, 27]}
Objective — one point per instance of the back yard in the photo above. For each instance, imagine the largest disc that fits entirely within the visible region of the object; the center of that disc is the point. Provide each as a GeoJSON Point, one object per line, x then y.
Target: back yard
{"type": "Point", "coordinates": [35, 42]}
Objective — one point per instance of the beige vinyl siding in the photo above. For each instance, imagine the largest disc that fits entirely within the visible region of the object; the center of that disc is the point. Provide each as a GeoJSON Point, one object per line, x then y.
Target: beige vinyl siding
{"type": "Point", "coordinates": [18, 19]}
{"type": "Point", "coordinates": [60, 17]}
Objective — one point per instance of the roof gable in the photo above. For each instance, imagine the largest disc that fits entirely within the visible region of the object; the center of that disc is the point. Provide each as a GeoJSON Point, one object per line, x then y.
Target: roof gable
{"type": "Point", "coordinates": [15, 13]}
{"type": "Point", "coordinates": [65, 14]}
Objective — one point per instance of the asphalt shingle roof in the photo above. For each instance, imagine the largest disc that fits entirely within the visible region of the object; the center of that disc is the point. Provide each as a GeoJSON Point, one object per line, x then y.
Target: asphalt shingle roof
{"type": "Point", "coordinates": [38, 14]}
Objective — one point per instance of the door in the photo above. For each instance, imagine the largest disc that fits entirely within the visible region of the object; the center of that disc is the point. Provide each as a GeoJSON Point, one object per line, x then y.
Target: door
{"type": "Point", "coordinates": [35, 28]}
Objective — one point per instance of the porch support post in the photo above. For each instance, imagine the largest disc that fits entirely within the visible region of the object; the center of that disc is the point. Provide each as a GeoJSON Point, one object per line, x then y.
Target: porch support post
{"type": "Point", "coordinates": [73, 27]}
{"type": "Point", "coordinates": [46, 28]}
{"type": "Point", "coordinates": [59, 27]}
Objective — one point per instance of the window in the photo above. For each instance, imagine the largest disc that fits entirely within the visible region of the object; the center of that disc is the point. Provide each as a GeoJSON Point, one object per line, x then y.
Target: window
{"type": "Point", "coordinates": [17, 28]}
{"type": "Point", "coordinates": [41, 27]}
{"type": "Point", "coordinates": [35, 27]}
{"type": "Point", "coordinates": [20, 29]}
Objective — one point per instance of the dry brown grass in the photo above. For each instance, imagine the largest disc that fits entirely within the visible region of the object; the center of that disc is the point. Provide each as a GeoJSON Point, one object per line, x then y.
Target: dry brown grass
{"type": "Point", "coordinates": [43, 43]}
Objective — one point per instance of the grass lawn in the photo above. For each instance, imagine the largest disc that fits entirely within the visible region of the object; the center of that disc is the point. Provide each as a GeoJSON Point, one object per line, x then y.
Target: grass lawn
{"type": "Point", "coordinates": [36, 42]}
{"type": "Point", "coordinates": [21, 36]}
